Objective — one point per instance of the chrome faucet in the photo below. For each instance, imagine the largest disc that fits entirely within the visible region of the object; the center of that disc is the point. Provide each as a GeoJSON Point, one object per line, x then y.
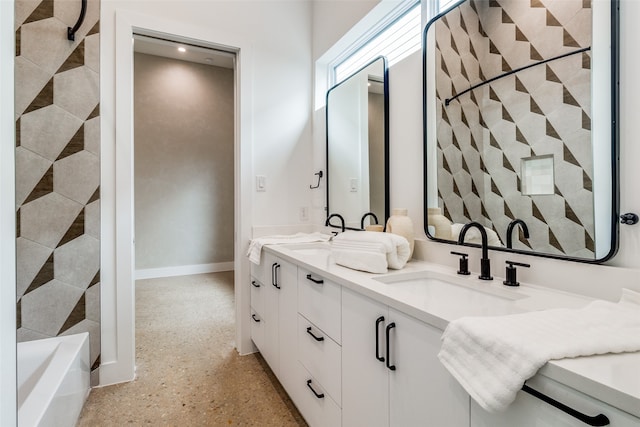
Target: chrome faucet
{"type": "Point", "coordinates": [375, 218]}
{"type": "Point", "coordinates": [485, 265]}
{"type": "Point", "coordinates": [510, 228]}
{"type": "Point", "coordinates": [327, 223]}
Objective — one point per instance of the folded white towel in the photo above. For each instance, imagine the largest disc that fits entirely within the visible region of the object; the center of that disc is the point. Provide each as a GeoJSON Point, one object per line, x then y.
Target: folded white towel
{"type": "Point", "coordinates": [370, 251]}
{"type": "Point", "coordinates": [492, 357]}
{"type": "Point", "coordinates": [255, 246]}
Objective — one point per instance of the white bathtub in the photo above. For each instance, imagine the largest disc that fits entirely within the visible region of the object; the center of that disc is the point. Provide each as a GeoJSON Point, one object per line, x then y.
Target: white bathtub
{"type": "Point", "coordinates": [53, 380]}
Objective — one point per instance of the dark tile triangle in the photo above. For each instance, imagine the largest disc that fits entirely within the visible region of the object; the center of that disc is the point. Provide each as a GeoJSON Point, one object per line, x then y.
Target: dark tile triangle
{"type": "Point", "coordinates": [505, 115]}
{"type": "Point", "coordinates": [568, 40]}
{"type": "Point", "coordinates": [466, 211]}
{"type": "Point", "coordinates": [43, 11]}
{"type": "Point", "coordinates": [96, 364]}
{"type": "Point", "coordinates": [571, 215]}
{"type": "Point", "coordinates": [520, 86]}
{"type": "Point", "coordinates": [586, 121]}
{"type": "Point", "coordinates": [523, 239]}
{"type": "Point", "coordinates": [455, 142]}
{"type": "Point", "coordinates": [445, 164]}
{"type": "Point", "coordinates": [473, 98]}
{"type": "Point", "coordinates": [474, 145]}
{"type": "Point", "coordinates": [445, 117]}
{"type": "Point", "coordinates": [474, 188]}
{"type": "Point", "coordinates": [18, 223]}
{"type": "Point", "coordinates": [586, 4]}
{"type": "Point", "coordinates": [18, 44]}
{"type": "Point", "coordinates": [536, 212]}
{"type": "Point", "coordinates": [587, 184]}
{"type": "Point", "coordinates": [493, 95]}
{"type": "Point", "coordinates": [76, 229]}
{"type": "Point", "coordinates": [95, 280]}
{"type": "Point", "coordinates": [518, 183]}
{"type": "Point", "coordinates": [456, 189]}
{"type": "Point", "coordinates": [75, 144]}
{"type": "Point", "coordinates": [507, 164]}
{"type": "Point", "coordinates": [534, 55]}
{"type": "Point", "coordinates": [568, 156]}
{"type": "Point", "coordinates": [520, 35]}
{"type": "Point", "coordinates": [45, 275]}
{"type": "Point", "coordinates": [533, 106]}
{"type": "Point", "coordinates": [18, 136]}
{"type": "Point", "coordinates": [19, 314]}
{"type": "Point", "coordinates": [567, 98]}
{"type": "Point", "coordinates": [589, 243]}
{"type": "Point", "coordinates": [552, 21]}
{"type": "Point", "coordinates": [520, 136]}
{"type": "Point", "coordinates": [537, 4]}
{"type": "Point", "coordinates": [505, 65]}
{"type": "Point", "coordinates": [74, 60]}
{"type": "Point", "coordinates": [463, 118]}
{"type": "Point", "coordinates": [463, 71]}
{"type": "Point", "coordinates": [95, 196]}
{"type": "Point", "coordinates": [553, 241]}
{"type": "Point", "coordinates": [445, 21]}
{"type": "Point", "coordinates": [465, 167]}
{"type": "Point", "coordinates": [493, 48]}
{"type": "Point", "coordinates": [463, 25]}
{"type": "Point", "coordinates": [551, 76]}
{"type": "Point", "coordinates": [586, 61]}
{"type": "Point", "coordinates": [494, 188]}
{"type": "Point", "coordinates": [481, 75]}
{"type": "Point", "coordinates": [453, 44]}
{"type": "Point", "coordinates": [551, 130]}
{"type": "Point", "coordinates": [43, 99]}
{"type": "Point", "coordinates": [472, 3]}
{"type": "Point", "coordinates": [94, 30]}
{"type": "Point", "coordinates": [507, 210]}
{"type": "Point", "coordinates": [557, 191]}
{"type": "Point", "coordinates": [493, 141]}
{"type": "Point", "coordinates": [472, 51]}
{"type": "Point", "coordinates": [483, 167]}
{"type": "Point", "coordinates": [494, 3]}
{"type": "Point", "coordinates": [506, 19]}
{"type": "Point", "coordinates": [77, 315]}
{"type": "Point", "coordinates": [42, 188]}
{"type": "Point", "coordinates": [443, 67]}
{"type": "Point", "coordinates": [484, 212]}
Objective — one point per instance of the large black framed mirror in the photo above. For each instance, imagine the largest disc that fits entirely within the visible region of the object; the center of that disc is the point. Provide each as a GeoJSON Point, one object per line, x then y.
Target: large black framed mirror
{"type": "Point", "coordinates": [357, 115]}
{"type": "Point", "coordinates": [521, 125]}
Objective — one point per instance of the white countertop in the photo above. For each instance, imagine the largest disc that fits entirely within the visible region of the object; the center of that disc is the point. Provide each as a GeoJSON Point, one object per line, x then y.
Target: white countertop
{"type": "Point", "coordinates": [612, 378]}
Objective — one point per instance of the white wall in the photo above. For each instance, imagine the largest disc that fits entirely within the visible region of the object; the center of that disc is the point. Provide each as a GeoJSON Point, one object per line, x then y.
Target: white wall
{"type": "Point", "coordinates": [7, 219]}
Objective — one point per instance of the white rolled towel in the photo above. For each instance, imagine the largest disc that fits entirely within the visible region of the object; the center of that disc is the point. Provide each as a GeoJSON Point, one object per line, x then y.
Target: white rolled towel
{"type": "Point", "coordinates": [370, 251]}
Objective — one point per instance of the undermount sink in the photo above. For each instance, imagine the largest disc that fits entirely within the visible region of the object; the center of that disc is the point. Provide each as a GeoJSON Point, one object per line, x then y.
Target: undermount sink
{"type": "Point", "coordinates": [441, 287]}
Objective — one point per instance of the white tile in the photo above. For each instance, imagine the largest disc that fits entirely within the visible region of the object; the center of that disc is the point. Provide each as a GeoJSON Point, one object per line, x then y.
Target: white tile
{"type": "Point", "coordinates": [48, 130]}
{"type": "Point", "coordinates": [77, 91]}
{"type": "Point", "coordinates": [92, 52]}
{"type": "Point", "coordinates": [45, 43]}
{"type": "Point", "coordinates": [47, 219]}
{"type": "Point", "coordinates": [92, 219]}
{"type": "Point", "coordinates": [45, 309]}
{"type": "Point", "coordinates": [77, 262]}
{"type": "Point", "coordinates": [92, 298]}
{"type": "Point", "coordinates": [30, 168]}
{"type": "Point", "coordinates": [92, 136]}
{"type": "Point", "coordinates": [30, 257]}
{"type": "Point", "coordinates": [77, 176]}
{"type": "Point", "coordinates": [29, 81]}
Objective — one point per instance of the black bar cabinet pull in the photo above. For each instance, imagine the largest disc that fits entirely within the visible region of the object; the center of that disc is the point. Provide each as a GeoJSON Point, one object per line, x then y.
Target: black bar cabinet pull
{"type": "Point", "coordinates": [313, 335]}
{"type": "Point", "coordinates": [318, 395]}
{"type": "Point", "coordinates": [255, 319]}
{"type": "Point", "coordinates": [275, 268]}
{"type": "Point", "coordinates": [255, 284]}
{"type": "Point", "coordinates": [378, 321]}
{"type": "Point", "coordinates": [318, 281]}
{"type": "Point", "coordinates": [388, 331]}
{"type": "Point", "coordinates": [598, 420]}
{"type": "Point", "coordinates": [71, 32]}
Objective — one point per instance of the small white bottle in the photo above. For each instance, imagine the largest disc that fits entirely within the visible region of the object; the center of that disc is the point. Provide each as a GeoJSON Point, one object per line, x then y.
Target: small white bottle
{"type": "Point", "coordinates": [399, 223]}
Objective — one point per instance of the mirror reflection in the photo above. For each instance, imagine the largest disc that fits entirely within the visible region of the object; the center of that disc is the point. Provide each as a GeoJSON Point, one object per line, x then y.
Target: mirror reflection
{"type": "Point", "coordinates": [518, 126]}
{"type": "Point", "coordinates": [357, 147]}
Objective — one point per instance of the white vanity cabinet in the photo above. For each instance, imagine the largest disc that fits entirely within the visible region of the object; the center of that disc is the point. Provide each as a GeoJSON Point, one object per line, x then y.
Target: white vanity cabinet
{"type": "Point", "coordinates": [530, 411]}
{"type": "Point", "coordinates": [390, 372]}
{"type": "Point", "coordinates": [274, 315]}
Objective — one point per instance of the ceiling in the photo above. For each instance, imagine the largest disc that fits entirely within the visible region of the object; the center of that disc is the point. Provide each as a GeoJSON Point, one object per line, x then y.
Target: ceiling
{"type": "Point", "coordinates": [192, 53]}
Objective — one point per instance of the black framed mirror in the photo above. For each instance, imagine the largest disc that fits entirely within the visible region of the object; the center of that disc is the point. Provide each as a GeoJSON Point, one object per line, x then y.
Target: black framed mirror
{"type": "Point", "coordinates": [521, 125]}
{"type": "Point", "coordinates": [357, 115]}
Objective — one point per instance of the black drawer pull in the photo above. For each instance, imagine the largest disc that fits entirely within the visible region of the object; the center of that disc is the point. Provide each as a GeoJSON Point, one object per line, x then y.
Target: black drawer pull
{"type": "Point", "coordinates": [378, 321]}
{"type": "Point", "coordinates": [389, 327]}
{"type": "Point", "coordinates": [598, 420]}
{"type": "Point", "coordinates": [318, 281]}
{"type": "Point", "coordinates": [255, 319]}
{"type": "Point", "coordinates": [319, 396]}
{"type": "Point", "coordinates": [255, 284]}
{"type": "Point", "coordinates": [275, 276]}
{"type": "Point", "coordinates": [314, 337]}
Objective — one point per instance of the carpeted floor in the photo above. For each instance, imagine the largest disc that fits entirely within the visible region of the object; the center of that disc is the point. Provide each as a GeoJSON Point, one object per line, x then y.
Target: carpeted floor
{"type": "Point", "coordinates": [188, 371]}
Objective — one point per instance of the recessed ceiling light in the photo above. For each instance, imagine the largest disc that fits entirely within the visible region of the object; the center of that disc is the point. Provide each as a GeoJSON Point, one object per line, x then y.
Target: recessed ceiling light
{"type": "Point", "coordinates": [181, 49]}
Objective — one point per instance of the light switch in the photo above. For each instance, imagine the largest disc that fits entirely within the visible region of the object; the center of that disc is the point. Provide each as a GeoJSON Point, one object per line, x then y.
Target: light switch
{"type": "Point", "coordinates": [261, 183]}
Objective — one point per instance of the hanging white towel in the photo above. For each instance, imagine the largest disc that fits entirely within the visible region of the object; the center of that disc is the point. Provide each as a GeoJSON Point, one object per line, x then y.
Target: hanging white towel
{"type": "Point", "coordinates": [255, 246]}
{"type": "Point", "coordinates": [492, 357]}
{"type": "Point", "coordinates": [370, 251]}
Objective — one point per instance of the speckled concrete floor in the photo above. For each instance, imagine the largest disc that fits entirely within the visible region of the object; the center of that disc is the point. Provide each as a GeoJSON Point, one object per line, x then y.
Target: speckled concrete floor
{"type": "Point", "coordinates": [188, 371]}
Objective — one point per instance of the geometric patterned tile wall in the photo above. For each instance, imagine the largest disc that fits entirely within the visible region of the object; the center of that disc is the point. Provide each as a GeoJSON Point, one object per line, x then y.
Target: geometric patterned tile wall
{"type": "Point", "coordinates": [57, 171]}
{"type": "Point", "coordinates": [543, 110]}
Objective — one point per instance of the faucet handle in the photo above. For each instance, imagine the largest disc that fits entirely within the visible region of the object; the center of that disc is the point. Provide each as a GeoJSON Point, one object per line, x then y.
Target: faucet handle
{"type": "Point", "coordinates": [464, 263]}
{"type": "Point", "coordinates": [510, 275]}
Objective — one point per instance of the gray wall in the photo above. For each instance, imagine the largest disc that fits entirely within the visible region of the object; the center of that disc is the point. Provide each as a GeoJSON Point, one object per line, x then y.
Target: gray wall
{"type": "Point", "coordinates": [184, 190]}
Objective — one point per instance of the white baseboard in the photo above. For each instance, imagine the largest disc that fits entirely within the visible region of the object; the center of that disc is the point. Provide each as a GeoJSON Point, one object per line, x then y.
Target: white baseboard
{"type": "Point", "coordinates": [183, 270]}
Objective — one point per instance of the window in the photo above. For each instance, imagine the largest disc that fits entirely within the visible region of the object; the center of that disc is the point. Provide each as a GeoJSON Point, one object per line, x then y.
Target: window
{"type": "Point", "coordinates": [395, 40]}
{"type": "Point", "coordinates": [446, 4]}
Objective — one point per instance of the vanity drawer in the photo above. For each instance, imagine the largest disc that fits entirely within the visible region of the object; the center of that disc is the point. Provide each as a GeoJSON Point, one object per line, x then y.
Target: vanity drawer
{"type": "Point", "coordinates": [321, 356]}
{"type": "Point", "coordinates": [319, 300]}
{"type": "Point", "coordinates": [257, 295]}
{"type": "Point", "coordinates": [314, 403]}
{"type": "Point", "coordinates": [257, 329]}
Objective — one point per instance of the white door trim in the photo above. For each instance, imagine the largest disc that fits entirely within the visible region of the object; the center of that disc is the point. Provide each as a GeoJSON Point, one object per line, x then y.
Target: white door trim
{"type": "Point", "coordinates": [117, 202]}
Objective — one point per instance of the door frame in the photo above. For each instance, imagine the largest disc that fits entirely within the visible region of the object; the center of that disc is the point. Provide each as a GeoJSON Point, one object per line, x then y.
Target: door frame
{"type": "Point", "coordinates": [117, 191]}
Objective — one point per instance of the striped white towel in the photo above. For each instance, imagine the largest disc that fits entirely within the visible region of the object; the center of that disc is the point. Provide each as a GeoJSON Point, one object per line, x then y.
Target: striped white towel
{"type": "Point", "coordinates": [255, 246]}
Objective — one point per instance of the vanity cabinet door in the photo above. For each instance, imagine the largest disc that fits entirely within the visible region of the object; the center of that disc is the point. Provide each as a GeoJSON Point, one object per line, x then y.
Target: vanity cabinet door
{"type": "Point", "coordinates": [421, 390]}
{"type": "Point", "coordinates": [529, 411]}
{"type": "Point", "coordinates": [365, 381]}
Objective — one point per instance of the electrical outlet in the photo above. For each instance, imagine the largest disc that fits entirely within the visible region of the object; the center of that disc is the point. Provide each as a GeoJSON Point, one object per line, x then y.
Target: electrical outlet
{"type": "Point", "coordinates": [304, 214]}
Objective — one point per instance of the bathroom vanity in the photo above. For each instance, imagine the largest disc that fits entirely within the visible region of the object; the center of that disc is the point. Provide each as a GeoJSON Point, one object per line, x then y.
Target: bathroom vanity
{"type": "Point", "coordinates": [359, 349]}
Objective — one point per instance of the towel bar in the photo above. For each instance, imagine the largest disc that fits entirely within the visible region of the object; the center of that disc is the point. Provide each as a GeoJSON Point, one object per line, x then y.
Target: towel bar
{"type": "Point", "coordinates": [598, 420]}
